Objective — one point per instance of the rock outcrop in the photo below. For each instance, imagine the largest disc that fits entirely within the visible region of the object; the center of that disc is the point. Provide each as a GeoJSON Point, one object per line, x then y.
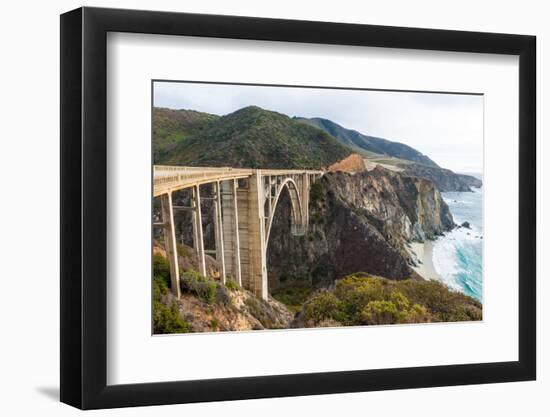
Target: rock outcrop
{"type": "Point", "coordinates": [353, 163]}
{"type": "Point", "coordinates": [236, 309]}
{"type": "Point", "coordinates": [358, 222]}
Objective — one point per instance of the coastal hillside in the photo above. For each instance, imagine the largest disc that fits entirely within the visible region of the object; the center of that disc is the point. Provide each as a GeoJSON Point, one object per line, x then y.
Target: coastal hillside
{"type": "Point", "coordinates": [372, 145]}
{"type": "Point", "coordinates": [252, 138]}
{"type": "Point", "coordinates": [170, 127]}
{"type": "Point", "coordinates": [398, 155]}
{"type": "Point", "coordinates": [208, 305]}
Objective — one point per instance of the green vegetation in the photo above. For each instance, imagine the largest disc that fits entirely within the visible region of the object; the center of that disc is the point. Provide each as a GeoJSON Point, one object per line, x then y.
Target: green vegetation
{"type": "Point", "coordinates": [363, 300]}
{"type": "Point", "coordinates": [357, 299]}
{"type": "Point", "coordinates": [316, 192]}
{"type": "Point", "coordinates": [292, 295]}
{"type": "Point", "coordinates": [202, 287]}
{"type": "Point", "coordinates": [161, 269]}
{"type": "Point", "coordinates": [250, 137]}
{"type": "Point", "coordinates": [445, 305]}
{"type": "Point", "coordinates": [324, 305]}
{"type": "Point", "coordinates": [167, 320]}
{"type": "Point", "coordinates": [232, 285]}
{"type": "Point", "coordinates": [171, 127]}
{"type": "Point", "coordinates": [166, 315]}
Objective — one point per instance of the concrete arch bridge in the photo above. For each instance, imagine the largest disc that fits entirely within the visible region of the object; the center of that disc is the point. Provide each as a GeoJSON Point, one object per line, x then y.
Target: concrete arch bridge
{"type": "Point", "coordinates": [244, 202]}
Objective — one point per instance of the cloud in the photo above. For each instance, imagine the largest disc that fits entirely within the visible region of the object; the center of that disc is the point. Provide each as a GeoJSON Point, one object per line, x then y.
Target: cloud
{"type": "Point", "coordinates": [446, 127]}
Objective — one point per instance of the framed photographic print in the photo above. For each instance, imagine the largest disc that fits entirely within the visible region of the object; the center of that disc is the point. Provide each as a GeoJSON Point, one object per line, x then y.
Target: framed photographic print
{"type": "Point", "coordinates": [257, 207]}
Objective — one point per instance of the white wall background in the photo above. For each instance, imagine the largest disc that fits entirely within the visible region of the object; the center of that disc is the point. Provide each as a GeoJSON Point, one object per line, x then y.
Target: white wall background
{"type": "Point", "coordinates": [29, 173]}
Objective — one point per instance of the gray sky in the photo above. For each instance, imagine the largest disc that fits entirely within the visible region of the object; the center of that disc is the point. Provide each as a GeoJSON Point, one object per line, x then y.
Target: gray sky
{"type": "Point", "coordinates": [446, 127]}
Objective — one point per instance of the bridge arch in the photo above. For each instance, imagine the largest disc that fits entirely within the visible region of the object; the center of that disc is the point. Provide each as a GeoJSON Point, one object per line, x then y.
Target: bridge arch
{"type": "Point", "coordinates": [297, 217]}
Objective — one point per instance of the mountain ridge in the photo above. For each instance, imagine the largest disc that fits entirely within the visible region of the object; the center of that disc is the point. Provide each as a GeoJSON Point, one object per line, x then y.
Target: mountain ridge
{"type": "Point", "coordinates": [252, 137]}
{"type": "Point", "coordinates": [409, 161]}
{"type": "Point", "coordinates": [371, 144]}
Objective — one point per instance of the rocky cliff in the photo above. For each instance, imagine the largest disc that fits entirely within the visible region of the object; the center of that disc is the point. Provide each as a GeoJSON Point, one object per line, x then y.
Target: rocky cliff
{"type": "Point", "coordinates": [445, 179]}
{"type": "Point", "coordinates": [358, 223]}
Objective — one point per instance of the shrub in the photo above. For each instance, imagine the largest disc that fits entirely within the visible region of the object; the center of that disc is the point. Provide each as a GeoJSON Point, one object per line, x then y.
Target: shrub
{"type": "Point", "coordinates": [375, 300]}
{"type": "Point", "coordinates": [355, 293]}
{"type": "Point", "coordinates": [380, 312]}
{"type": "Point", "coordinates": [199, 285]}
{"type": "Point", "coordinates": [315, 192]}
{"type": "Point", "coordinates": [442, 303]}
{"type": "Point", "coordinates": [166, 319]}
{"type": "Point", "coordinates": [232, 285]}
{"type": "Point", "coordinates": [160, 287]}
{"type": "Point", "coordinates": [161, 268]}
{"type": "Point", "coordinates": [417, 314]}
{"type": "Point", "coordinates": [323, 306]}
{"type": "Point", "coordinates": [293, 295]}
{"type": "Point", "coordinates": [400, 301]}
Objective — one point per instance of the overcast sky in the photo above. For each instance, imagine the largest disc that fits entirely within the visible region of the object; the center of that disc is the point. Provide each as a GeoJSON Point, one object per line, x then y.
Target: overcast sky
{"type": "Point", "coordinates": [446, 127]}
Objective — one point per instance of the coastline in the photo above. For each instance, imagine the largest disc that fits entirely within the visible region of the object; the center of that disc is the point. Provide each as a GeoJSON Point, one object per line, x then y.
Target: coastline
{"type": "Point", "coordinates": [422, 254]}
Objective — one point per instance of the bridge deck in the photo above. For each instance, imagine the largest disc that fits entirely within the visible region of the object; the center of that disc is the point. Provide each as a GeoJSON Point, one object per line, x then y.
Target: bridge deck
{"type": "Point", "coordinates": [172, 178]}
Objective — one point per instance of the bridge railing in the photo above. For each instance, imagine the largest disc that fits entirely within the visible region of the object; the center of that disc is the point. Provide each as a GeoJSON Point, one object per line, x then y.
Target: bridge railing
{"type": "Point", "coordinates": [170, 178]}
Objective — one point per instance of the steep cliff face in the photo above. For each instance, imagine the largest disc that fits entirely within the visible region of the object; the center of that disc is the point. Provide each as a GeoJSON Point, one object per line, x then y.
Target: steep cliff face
{"type": "Point", "coordinates": [445, 179]}
{"type": "Point", "coordinates": [358, 222]}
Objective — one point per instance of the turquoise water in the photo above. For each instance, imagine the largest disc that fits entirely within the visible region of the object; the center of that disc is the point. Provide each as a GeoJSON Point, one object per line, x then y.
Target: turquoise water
{"type": "Point", "coordinates": [457, 256]}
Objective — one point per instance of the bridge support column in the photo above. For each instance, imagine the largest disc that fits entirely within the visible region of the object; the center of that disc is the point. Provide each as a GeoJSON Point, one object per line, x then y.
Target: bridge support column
{"type": "Point", "coordinates": [218, 230]}
{"type": "Point", "coordinates": [230, 226]}
{"type": "Point", "coordinates": [256, 237]}
{"type": "Point", "coordinates": [305, 200]}
{"type": "Point", "coordinates": [170, 242]}
{"type": "Point", "coordinates": [198, 240]}
{"type": "Point", "coordinates": [252, 231]}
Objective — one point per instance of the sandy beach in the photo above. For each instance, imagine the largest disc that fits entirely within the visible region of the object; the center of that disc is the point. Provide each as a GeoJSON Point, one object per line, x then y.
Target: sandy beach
{"type": "Point", "coordinates": [423, 252]}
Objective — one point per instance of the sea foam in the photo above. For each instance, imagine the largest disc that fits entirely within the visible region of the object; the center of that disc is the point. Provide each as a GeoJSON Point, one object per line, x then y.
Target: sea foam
{"type": "Point", "coordinates": [457, 256]}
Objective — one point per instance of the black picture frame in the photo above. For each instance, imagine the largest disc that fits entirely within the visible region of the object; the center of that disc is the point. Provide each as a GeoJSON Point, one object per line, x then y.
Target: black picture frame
{"type": "Point", "coordinates": [84, 207]}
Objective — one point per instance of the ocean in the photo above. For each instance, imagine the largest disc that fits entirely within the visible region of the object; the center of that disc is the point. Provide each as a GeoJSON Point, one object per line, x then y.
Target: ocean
{"type": "Point", "coordinates": [457, 256]}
